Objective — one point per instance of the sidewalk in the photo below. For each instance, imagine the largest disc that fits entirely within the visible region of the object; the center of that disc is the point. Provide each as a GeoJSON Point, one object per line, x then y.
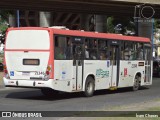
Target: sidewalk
{"type": "Point", "coordinates": [1, 81]}
{"type": "Point", "coordinates": [1, 84]}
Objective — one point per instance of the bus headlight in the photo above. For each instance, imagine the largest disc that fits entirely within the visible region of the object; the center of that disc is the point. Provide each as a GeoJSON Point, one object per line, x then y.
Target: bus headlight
{"type": "Point", "coordinates": [6, 75]}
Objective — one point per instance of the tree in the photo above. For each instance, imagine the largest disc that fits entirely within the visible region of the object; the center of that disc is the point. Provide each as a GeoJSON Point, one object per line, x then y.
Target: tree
{"type": "Point", "coordinates": [123, 25]}
{"type": "Point", "coordinates": [110, 25]}
{"type": "Point", "coordinates": [156, 25]}
{"type": "Point", "coordinates": [4, 14]}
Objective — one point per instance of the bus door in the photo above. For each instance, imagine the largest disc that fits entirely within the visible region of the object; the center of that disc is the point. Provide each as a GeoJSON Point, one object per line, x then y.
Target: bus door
{"type": "Point", "coordinates": [77, 63]}
{"type": "Point", "coordinates": [148, 54]}
{"type": "Point", "coordinates": [114, 57]}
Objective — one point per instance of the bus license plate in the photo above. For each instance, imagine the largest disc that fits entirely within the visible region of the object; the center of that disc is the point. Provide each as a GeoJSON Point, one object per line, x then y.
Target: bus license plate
{"type": "Point", "coordinates": [26, 73]}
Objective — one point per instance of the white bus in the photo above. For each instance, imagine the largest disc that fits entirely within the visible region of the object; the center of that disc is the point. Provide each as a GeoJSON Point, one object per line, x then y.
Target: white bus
{"type": "Point", "coordinates": [72, 61]}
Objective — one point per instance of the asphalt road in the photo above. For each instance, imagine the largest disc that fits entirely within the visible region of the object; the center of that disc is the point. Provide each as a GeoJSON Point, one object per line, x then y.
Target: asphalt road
{"type": "Point", "coordinates": [32, 99]}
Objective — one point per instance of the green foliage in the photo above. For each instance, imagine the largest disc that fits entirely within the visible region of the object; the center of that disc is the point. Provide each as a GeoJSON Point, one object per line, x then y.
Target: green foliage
{"type": "Point", "coordinates": [3, 28]}
{"type": "Point", "coordinates": [4, 15]}
{"type": "Point", "coordinates": [156, 24]}
{"type": "Point", "coordinates": [3, 19]}
{"type": "Point", "coordinates": [127, 24]}
{"type": "Point", "coordinates": [110, 25]}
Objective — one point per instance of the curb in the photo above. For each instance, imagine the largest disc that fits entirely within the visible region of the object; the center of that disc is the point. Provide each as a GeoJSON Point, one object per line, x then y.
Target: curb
{"type": "Point", "coordinates": [2, 86]}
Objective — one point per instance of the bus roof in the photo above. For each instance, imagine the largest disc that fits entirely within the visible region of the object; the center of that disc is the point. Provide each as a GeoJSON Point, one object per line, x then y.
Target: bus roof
{"type": "Point", "coordinates": [86, 34]}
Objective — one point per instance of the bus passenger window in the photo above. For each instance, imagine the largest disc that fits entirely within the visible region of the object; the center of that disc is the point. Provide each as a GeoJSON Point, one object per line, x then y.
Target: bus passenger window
{"type": "Point", "coordinates": [62, 47]}
{"type": "Point", "coordinates": [90, 49]}
{"type": "Point", "coordinates": [103, 49]}
{"type": "Point", "coordinates": [103, 56]}
{"type": "Point", "coordinates": [140, 52]}
{"type": "Point", "coordinates": [60, 55]}
{"type": "Point", "coordinates": [93, 55]}
{"type": "Point", "coordinates": [68, 49]}
{"type": "Point", "coordinates": [86, 52]}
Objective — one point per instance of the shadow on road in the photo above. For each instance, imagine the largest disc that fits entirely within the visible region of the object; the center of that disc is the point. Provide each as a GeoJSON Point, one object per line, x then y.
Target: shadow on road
{"type": "Point", "coordinates": [156, 76]}
{"type": "Point", "coordinates": [37, 95]}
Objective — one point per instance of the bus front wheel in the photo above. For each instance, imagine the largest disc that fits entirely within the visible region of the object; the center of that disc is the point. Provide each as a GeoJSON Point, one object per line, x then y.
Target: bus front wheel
{"type": "Point", "coordinates": [89, 87]}
{"type": "Point", "coordinates": [136, 84]}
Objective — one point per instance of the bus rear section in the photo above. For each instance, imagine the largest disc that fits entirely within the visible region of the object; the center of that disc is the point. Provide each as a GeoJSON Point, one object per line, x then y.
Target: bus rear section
{"type": "Point", "coordinates": [27, 58]}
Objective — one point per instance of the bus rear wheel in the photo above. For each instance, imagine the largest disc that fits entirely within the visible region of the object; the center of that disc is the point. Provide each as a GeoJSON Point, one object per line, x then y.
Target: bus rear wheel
{"type": "Point", "coordinates": [136, 84]}
{"type": "Point", "coordinates": [89, 87]}
{"type": "Point", "coordinates": [48, 92]}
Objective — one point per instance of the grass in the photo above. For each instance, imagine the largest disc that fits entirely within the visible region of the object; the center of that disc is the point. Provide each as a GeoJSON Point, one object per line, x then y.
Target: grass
{"type": "Point", "coordinates": [1, 78]}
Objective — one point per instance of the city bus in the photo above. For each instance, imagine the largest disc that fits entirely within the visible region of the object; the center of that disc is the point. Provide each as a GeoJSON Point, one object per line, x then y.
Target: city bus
{"type": "Point", "coordinates": [55, 59]}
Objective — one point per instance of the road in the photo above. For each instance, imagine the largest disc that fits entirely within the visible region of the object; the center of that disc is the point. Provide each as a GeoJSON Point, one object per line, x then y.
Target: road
{"type": "Point", "coordinates": [32, 99]}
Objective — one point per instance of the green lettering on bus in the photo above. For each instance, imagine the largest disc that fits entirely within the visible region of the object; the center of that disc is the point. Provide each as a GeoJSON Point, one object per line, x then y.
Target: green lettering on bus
{"type": "Point", "coordinates": [101, 73]}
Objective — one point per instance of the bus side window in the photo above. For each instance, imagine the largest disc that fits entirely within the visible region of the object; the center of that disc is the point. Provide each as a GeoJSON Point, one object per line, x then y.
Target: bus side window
{"type": "Point", "coordinates": [92, 48]}
{"type": "Point", "coordinates": [57, 48]}
{"type": "Point", "coordinates": [122, 51]}
{"type": "Point", "coordinates": [102, 49]}
{"type": "Point", "coordinates": [68, 49]}
{"type": "Point", "coordinates": [127, 50]}
{"type": "Point", "coordinates": [93, 55]}
{"type": "Point", "coordinates": [86, 50]}
{"type": "Point", "coordinates": [60, 43]}
{"type": "Point", "coordinates": [134, 51]}
{"type": "Point", "coordinates": [140, 51]}
{"type": "Point", "coordinates": [132, 57]}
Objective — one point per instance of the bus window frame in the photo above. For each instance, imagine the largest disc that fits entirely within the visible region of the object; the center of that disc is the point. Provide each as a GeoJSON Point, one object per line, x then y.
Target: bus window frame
{"type": "Point", "coordinates": [103, 49]}
{"type": "Point", "coordinates": [59, 35]}
{"type": "Point", "coordinates": [71, 38]}
{"type": "Point", "coordinates": [90, 47]}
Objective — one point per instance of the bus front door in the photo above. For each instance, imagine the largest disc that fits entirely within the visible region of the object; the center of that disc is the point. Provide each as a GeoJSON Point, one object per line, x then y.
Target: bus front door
{"type": "Point", "coordinates": [77, 66]}
{"type": "Point", "coordinates": [114, 57]}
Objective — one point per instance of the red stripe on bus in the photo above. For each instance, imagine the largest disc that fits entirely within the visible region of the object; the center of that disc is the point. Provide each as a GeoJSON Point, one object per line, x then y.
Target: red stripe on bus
{"type": "Point", "coordinates": [86, 34]}
{"type": "Point", "coordinates": [100, 35]}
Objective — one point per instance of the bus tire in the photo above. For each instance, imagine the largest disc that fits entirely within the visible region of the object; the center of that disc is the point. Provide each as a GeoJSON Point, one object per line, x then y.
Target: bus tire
{"type": "Point", "coordinates": [89, 87]}
{"type": "Point", "coordinates": [48, 92]}
{"type": "Point", "coordinates": [136, 84]}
